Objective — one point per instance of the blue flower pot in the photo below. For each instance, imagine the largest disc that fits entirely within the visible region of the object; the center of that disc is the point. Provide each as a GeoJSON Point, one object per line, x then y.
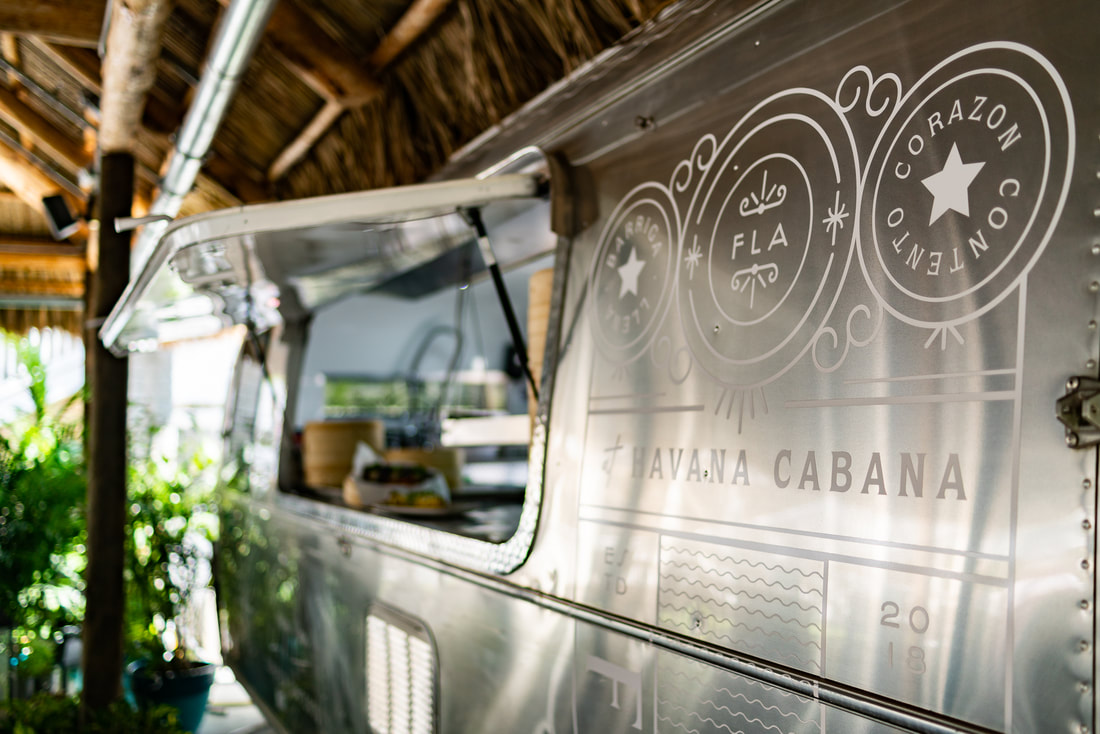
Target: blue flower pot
{"type": "Point", "coordinates": [186, 690]}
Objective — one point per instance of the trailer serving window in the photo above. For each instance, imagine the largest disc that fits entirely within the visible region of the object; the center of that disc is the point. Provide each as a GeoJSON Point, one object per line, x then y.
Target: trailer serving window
{"type": "Point", "coordinates": [416, 405]}
{"type": "Point", "coordinates": [401, 335]}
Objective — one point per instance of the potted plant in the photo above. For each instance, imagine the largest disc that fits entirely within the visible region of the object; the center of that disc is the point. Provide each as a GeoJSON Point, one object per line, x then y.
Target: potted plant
{"type": "Point", "coordinates": [42, 494]}
{"type": "Point", "coordinates": [168, 547]}
{"type": "Point", "coordinates": [46, 713]}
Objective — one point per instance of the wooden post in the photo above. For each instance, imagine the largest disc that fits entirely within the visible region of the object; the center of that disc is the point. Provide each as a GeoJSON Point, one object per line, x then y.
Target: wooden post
{"type": "Point", "coordinates": [103, 629]}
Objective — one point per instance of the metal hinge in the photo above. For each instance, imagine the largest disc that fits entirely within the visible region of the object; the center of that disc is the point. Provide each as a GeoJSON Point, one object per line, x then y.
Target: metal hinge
{"type": "Point", "coordinates": [1079, 411]}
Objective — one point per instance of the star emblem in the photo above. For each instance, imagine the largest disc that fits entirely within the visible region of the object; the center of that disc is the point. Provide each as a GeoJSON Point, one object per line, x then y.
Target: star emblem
{"type": "Point", "coordinates": [628, 274]}
{"type": "Point", "coordinates": [949, 187]}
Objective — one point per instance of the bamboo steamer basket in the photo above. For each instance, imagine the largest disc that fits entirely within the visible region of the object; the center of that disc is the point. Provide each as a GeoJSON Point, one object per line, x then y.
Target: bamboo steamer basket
{"type": "Point", "coordinates": [329, 446]}
{"type": "Point", "coordinates": [539, 291]}
{"type": "Point", "coordinates": [447, 461]}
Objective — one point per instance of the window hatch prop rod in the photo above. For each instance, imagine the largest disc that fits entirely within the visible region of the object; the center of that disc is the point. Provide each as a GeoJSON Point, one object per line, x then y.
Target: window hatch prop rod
{"type": "Point", "coordinates": [473, 216]}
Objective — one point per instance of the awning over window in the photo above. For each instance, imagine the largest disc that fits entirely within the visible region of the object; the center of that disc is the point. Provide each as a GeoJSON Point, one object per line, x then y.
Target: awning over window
{"type": "Point", "coordinates": [262, 263]}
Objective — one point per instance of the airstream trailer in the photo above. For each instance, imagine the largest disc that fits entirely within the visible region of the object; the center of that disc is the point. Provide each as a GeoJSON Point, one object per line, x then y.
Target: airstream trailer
{"type": "Point", "coordinates": [813, 447]}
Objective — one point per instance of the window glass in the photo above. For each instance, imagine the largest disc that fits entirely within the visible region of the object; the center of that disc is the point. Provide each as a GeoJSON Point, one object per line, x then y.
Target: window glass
{"type": "Point", "coordinates": [431, 383]}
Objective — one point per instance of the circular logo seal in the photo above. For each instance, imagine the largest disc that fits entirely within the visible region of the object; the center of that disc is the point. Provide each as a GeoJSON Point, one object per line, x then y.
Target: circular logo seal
{"type": "Point", "coordinates": [633, 272]}
{"type": "Point", "coordinates": [770, 238]}
{"type": "Point", "coordinates": [965, 184]}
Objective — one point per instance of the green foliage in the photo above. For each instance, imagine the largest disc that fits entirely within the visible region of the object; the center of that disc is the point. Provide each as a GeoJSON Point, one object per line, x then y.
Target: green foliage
{"type": "Point", "coordinates": [171, 526]}
{"type": "Point", "coordinates": [39, 658]}
{"type": "Point", "coordinates": [42, 494]}
{"type": "Point", "coordinates": [45, 713]}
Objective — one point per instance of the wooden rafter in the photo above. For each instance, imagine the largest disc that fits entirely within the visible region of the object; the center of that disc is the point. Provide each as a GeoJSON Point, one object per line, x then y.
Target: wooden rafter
{"type": "Point", "coordinates": [43, 134]}
{"type": "Point", "coordinates": [225, 172]}
{"type": "Point", "coordinates": [33, 286]}
{"type": "Point", "coordinates": [326, 67]}
{"type": "Point", "coordinates": [68, 266]}
{"type": "Point", "coordinates": [416, 20]}
{"type": "Point", "coordinates": [74, 22]}
{"type": "Point", "coordinates": [22, 177]}
{"type": "Point", "coordinates": [419, 16]}
{"type": "Point", "coordinates": [9, 49]}
{"type": "Point", "coordinates": [306, 139]}
{"type": "Point", "coordinates": [80, 63]}
{"type": "Point", "coordinates": [12, 244]}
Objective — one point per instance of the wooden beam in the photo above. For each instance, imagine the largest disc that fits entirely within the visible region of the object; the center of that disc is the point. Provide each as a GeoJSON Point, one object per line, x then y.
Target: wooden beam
{"type": "Point", "coordinates": [9, 49]}
{"type": "Point", "coordinates": [416, 20]}
{"type": "Point", "coordinates": [306, 139]}
{"type": "Point", "coordinates": [129, 69]}
{"type": "Point", "coordinates": [158, 119]}
{"type": "Point", "coordinates": [75, 22]}
{"type": "Point", "coordinates": [80, 63]}
{"type": "Point", "coordinates": [19, 175]}
{"type": "Point", "coordinates": [28, 286]}
{"type": "Point", "coordinates": [30, 245]}
{"type": "Point", "coordinates": [45, 136]}
{"type": "Point", "coordinates": [62, 265]}
{"type": "Point", "coordinates": [224, 173]}
{"type": "Point", "coordinates": [29, 175]}
{"type": "Point", "coordinates": [321, 63]}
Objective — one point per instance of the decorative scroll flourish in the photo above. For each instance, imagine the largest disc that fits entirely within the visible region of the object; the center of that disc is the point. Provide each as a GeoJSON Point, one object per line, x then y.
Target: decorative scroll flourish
{"type": "Point", "coordinates": [748, 278]}
{"type": "Point", "coordinates": [701, 159]}
{"type": "Point", "coordinates": [677, 362]}
{"type": "Point", "coordinates": [872, 323]}
{"type": "Point", "coordinates": [860, 82]}
{"type": "Point", "coordinates": [768, 199]}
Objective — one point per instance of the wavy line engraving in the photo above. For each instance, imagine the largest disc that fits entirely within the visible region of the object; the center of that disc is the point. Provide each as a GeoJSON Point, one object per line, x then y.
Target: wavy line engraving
{"type": "Point", "coordinates": [707, 719]}
{"type": "Point", "coordinates": [743, 561]}
{"type": "Point", "coordinates": [770, 652]}
{"type": "Point", "coordinates": [683, 727]}
{"type": "Point", "coordinates": [752, 595]}
{"type": "Point", "coordinates": [735, 607]}
{"type": "Point", "coordinates": [748, 627]}
{"type": "Point", "coordinates": [739, 713]}
{"type": "Point", "coordinates": [766, 707]}
{"type": "Point", "coordinates": [745, 577]}
{"type": "Point", "coordinates": [748, 682]}
{"type": "Point", "coordinates": [685, 694]}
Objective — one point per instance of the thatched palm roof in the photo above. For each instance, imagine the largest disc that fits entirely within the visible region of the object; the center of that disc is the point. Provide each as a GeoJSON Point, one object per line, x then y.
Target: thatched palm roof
{"type": "Point", "coordinates": [340, 95]}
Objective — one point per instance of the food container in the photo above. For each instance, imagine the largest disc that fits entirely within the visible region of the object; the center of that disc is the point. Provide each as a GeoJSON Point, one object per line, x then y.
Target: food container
{"type": "Point", "coordinates": [447, 461]}
{"type": "Point", "coordinates": [328, 448]}
{"type": "Point", "coordinates": [360, 493]}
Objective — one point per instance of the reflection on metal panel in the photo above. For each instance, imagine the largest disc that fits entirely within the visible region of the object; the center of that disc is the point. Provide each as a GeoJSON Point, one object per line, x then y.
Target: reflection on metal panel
{"type": "Point", "coordinates": [764, 603]}
{"type": "Point", "coordinates": [826, 323]}
{"type": "Point", "coordinates": [401, 676]}
{"type": "Point", "coordinates": [622, 685]}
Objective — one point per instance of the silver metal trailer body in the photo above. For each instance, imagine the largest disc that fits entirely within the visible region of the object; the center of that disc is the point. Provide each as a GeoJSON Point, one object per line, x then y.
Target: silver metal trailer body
{"type": "Point", "coordinates": [823, 273]}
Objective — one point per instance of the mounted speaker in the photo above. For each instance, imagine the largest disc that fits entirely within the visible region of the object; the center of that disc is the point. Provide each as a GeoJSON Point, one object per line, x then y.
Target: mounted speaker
{"type": "Point", "coordinates": [63, 224]}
